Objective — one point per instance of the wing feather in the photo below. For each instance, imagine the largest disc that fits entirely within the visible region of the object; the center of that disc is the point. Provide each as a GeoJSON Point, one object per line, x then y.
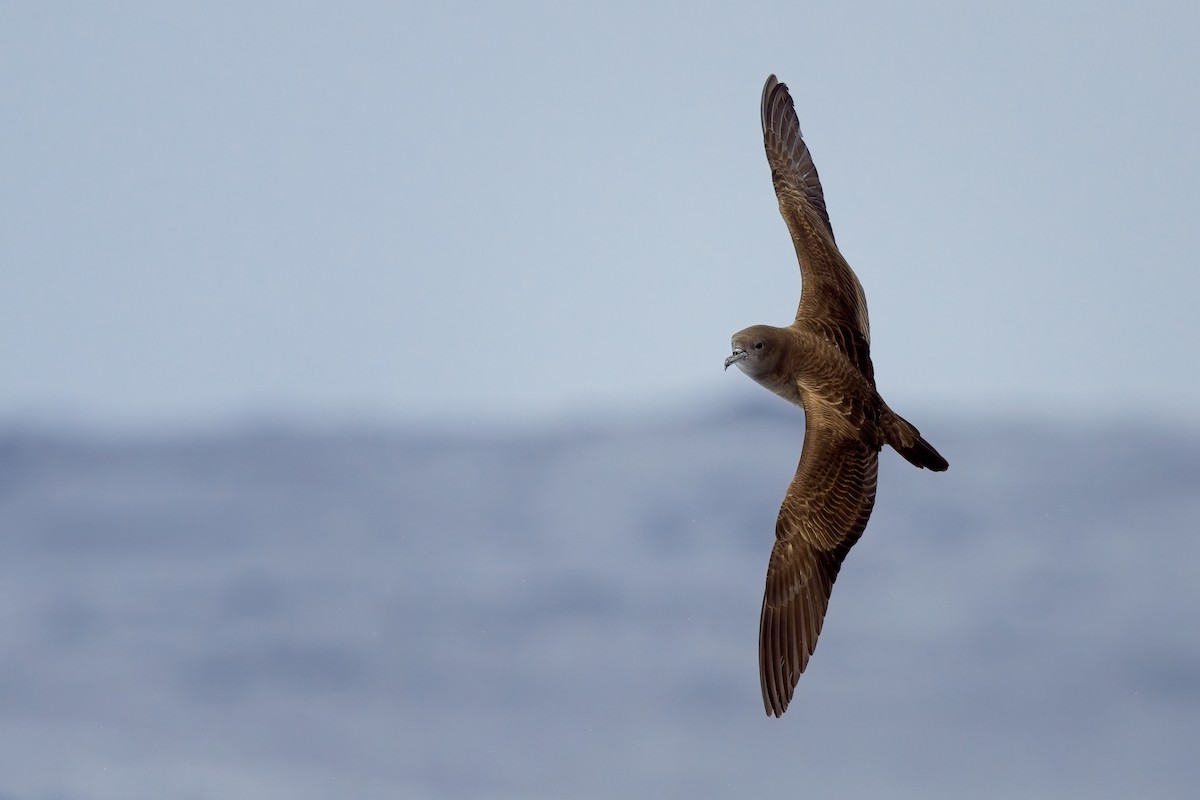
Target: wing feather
{"type": "Point", "coordinates": [823, 514]}
{"type": "Point", "coordinates": [830, 290]}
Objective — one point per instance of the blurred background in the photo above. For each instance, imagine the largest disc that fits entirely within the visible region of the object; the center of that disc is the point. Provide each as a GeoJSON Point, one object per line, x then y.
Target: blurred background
{"type": "Point", "coordinates": [363, 430]}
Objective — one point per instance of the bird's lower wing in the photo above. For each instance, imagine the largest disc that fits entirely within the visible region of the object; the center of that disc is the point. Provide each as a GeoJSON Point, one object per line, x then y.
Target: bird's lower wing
{"type": "Point", "coordinates": [823, 514]}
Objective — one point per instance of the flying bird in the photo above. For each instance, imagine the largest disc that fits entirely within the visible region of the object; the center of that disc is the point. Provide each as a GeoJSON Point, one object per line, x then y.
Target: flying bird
{"type": "Point", "coordinates": [822, 363]}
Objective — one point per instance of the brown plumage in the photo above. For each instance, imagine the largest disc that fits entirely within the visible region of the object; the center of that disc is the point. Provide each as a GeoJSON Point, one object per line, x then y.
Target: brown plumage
{"type": "Point", "coordinates": [821, 362]}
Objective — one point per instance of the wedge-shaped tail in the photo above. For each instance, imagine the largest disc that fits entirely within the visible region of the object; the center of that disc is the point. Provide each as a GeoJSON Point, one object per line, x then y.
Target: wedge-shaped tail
{"type": "Point", "coordinates": [906, 440]}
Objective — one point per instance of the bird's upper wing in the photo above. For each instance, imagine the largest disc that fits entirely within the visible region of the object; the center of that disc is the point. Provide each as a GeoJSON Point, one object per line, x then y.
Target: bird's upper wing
{"type": "Point", "coordinates": [823, 514]}
{"type": "Point", "coordinates": [830, 289]}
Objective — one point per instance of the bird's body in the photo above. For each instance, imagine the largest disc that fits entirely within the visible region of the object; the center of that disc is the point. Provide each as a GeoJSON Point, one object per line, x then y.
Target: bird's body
{"type": "Point", "coordinates": [822, 363]}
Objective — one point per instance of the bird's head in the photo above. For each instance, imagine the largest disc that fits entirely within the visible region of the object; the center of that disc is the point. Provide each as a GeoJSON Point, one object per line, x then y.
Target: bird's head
{"type": "Point", "coordinates": [756, 351]}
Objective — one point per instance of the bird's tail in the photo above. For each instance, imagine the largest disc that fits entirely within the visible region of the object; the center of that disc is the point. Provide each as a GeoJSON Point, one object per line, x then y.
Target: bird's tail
{"type": "Point", "coordinates": [904, 437]}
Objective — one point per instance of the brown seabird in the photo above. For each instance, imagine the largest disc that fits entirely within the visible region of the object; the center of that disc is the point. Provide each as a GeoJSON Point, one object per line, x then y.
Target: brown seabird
{"type": "Point", "coordinates": [822, 363]}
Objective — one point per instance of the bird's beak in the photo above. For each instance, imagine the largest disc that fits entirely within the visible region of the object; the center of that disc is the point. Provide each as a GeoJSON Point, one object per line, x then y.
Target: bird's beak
{"type": "Point", "coordinates": [738, 355]}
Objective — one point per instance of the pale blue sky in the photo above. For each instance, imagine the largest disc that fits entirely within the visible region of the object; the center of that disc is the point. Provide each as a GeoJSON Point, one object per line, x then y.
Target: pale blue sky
{"type": "Point", "coordinates": [538, 210]}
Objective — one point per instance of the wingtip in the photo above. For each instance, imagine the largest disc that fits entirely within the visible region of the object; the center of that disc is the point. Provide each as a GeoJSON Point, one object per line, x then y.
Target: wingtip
{"type": "Point", "coordinates": [777, 704]}
{"type": "Point", "coordinates": [775, 675]}
{"type": "Point", "coordinates": [771, 86]}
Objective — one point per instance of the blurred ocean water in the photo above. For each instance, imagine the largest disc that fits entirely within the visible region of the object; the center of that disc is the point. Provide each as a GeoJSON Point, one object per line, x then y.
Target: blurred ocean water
{"type": "Point", "coordinates": [573, 614]}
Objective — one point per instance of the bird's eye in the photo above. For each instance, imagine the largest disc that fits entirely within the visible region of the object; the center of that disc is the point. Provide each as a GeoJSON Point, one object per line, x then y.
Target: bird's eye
{"type": "Point", "coordinates": [758, 345]}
